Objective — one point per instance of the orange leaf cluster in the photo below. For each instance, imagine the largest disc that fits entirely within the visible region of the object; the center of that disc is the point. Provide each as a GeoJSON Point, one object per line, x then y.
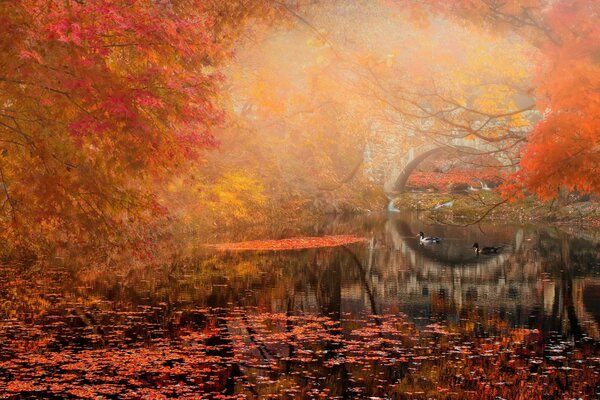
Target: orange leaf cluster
{"type": "Point", "coordinates": [297, 243]}
{"type": "Point", "coordinates": [100, 103]}
{"type": "Point", "coordinates": [444, 181]}
{"type": "Point", "coordinates": [563, 150]}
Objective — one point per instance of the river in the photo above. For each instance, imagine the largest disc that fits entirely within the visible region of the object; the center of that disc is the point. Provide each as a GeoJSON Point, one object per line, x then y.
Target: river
{"type": "Point", "coordinates": [387, 318]}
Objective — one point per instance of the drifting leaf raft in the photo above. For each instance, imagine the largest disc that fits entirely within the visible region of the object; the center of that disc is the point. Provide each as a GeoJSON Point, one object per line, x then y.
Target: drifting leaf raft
{"type": "Point", "coordinates": [296, 243]}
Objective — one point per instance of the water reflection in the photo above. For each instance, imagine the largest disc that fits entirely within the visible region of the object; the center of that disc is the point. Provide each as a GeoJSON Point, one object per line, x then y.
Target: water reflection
{"type": "Point", "coordinates": [382, 318]}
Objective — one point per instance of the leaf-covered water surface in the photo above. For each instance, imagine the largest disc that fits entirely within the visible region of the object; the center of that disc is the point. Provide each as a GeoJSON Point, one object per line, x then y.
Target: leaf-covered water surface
{"type": "Point", "coordinates": [246, 353]}
{"type": "Point", "coordinates": [383, 319]}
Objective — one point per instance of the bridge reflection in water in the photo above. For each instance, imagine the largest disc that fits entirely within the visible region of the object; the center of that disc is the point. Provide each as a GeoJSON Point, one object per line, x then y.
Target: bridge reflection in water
{"type": "Point", "coordinates": [541, 279]}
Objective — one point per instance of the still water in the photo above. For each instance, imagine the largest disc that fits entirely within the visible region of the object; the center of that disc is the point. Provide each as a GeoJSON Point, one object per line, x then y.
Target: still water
{"type": "Point", "coordinates": [387, 318]}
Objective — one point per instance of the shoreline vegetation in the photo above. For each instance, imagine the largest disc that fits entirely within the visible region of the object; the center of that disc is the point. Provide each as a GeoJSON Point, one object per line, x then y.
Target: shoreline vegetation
{"type": "Point", "coordinates": [489, 206]}
{"type": "Point", "coordinates": [456, 208]}
{"type": "Point", "coordinates": [575, 215]}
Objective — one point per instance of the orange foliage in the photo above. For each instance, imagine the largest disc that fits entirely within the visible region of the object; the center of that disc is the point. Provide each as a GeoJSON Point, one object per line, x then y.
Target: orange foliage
{"type": "Point", "coordinates": [444, 181]}
{"type": "Point", "coordinates": [100, 103]}
{"type": "Point", "coordinates": [564, 148]}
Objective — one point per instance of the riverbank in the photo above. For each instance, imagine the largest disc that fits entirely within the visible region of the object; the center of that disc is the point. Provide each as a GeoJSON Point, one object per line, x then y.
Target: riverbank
{"type": "Point", "coordinates": [469, 208]}
{"type": "Point", "coordinates": [460, 209]}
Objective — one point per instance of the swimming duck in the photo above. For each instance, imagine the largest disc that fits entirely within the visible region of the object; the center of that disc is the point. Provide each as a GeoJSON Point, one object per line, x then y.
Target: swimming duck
{"type": "Point", "coordinates": [428, 239]}
{"type": "Point", "coordinates": [486, 250]}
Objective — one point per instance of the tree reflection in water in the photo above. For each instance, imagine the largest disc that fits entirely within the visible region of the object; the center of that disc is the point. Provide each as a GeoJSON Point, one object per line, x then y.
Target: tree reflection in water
{"type": "Point", "coordinates": [384, 319]}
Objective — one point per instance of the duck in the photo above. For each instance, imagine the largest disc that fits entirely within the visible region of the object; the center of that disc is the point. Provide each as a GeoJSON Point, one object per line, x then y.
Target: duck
{"type": "Point", "coordinates": [428, 239]}
{"type": "Point", "coordinates": [486, 250]}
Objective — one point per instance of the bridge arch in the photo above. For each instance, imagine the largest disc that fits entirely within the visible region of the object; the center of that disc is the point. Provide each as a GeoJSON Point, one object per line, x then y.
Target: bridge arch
{"type": "Point", "coordinates": [415, 156]}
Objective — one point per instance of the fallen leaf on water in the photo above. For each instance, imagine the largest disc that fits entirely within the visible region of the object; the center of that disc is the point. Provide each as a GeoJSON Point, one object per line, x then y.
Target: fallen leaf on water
{"type": "Point", "coordinates": [296, 243]}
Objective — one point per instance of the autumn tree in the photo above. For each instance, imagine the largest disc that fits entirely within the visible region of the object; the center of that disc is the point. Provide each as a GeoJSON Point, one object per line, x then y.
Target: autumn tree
{"type": "Point", "coordinates": [100, 102]}
{"type": "Point", "coordinates": [519, 75]}
{"type": "Point", "coordinates": [563, 149]}
{"type": "Point", "coordinates": [294, 125]}
{"type": "Point", "coordinates": [306, 103]}
{"type": "Point", "coordinates": [368, 76]}
{"type": "Point", "coordinates": [441, 83]}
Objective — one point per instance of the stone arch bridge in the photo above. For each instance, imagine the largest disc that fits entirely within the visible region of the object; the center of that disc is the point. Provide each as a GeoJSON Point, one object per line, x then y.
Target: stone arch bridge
{"type": "Point", "coordinates": [391, 167]}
